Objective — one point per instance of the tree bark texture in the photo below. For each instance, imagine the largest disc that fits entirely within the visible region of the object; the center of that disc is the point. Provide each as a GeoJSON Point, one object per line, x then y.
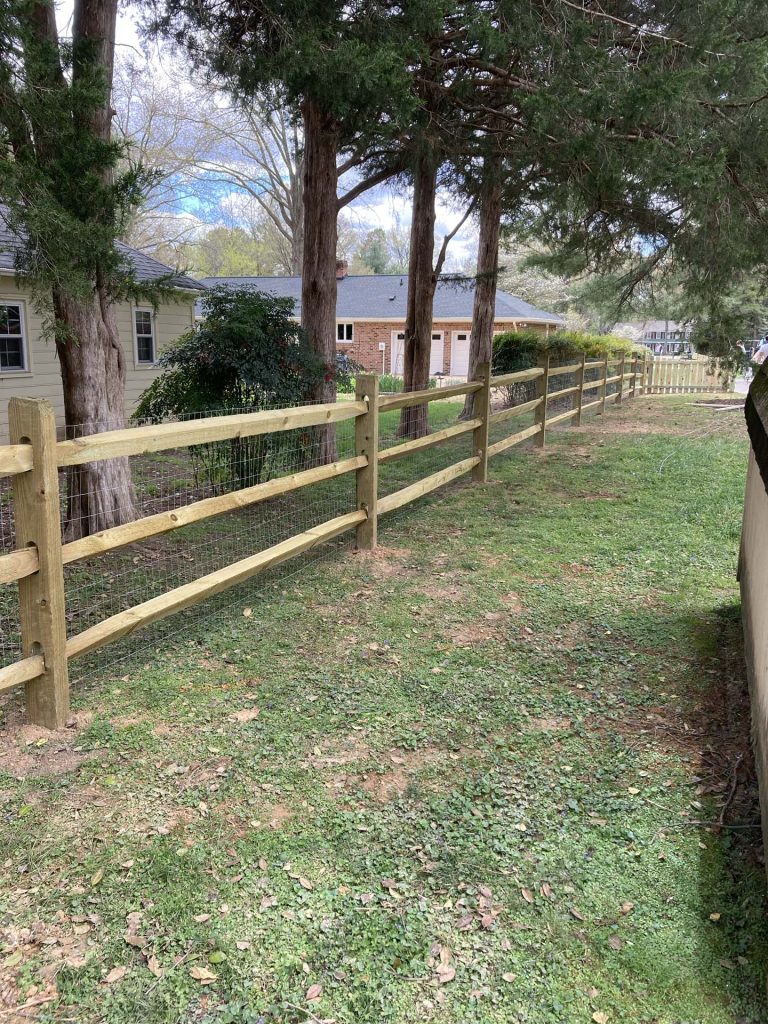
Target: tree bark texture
{"type": "Point", "coordinates": [318, 279]}
{"type": "Point", "coordinates": [484, 310]}
{"type": "Point", "coordinates": [422, 281]}
{"type": "Point", "coordinates": [99, 494]}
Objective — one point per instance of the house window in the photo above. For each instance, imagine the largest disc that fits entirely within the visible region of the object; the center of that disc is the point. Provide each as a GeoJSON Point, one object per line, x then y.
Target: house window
{"type": "Point", "coordinates": [13, 349]}
{"type": "Point", "coordinates": [145, 336]}
{"type": "Point", "coordinates": [345, 333]}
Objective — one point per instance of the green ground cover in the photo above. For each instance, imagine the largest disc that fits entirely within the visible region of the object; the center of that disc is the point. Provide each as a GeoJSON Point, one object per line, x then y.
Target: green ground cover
{"type": "Point", "coordinates": [456, 781]}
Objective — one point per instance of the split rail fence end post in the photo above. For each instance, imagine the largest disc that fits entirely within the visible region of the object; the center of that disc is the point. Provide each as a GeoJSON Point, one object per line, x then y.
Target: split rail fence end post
{"type": "Point", "coordinates": [579, 396]}
{"type": "Point", "coordinates": [620, 392]}
{"type": "Point", "coordinates": [605, 387]}
{"type": "Point", "coordinates": [367, 444]}
{"type": "Point", "coordinates": [482, 411]}
{"type": "Point", "coordinates": [633, 388]}
{"type": "Point", "coordinates": [542, 391]}
{"type": "Point", "coordinates": [41, 596]}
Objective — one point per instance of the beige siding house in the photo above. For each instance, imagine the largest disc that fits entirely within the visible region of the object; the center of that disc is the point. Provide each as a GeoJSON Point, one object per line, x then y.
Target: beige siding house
{"type": "Point", "coordinates": [28, 363]}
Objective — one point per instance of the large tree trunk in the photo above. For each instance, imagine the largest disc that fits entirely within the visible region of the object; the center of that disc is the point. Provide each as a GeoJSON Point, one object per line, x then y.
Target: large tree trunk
{"type": "Point", "coordinates": [99, 494]}
{"type": "Point", "coordinates": [318, 278]}
{"type": "Point", "coordinates": [422, 281]}
{"type": "Point", "coordinates": [484, 310]}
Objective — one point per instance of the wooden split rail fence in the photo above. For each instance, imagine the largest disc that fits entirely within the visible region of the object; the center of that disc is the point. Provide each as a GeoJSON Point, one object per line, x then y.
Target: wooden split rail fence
{"type": "Point", "coordinates": [34, 459]}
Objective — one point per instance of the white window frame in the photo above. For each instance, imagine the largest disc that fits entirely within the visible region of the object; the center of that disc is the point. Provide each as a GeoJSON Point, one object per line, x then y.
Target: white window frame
{"type": "Point", "coordinates": [11, 371]}
{"type": "Point", "coordinates": [347, 327]}
{"type": "Point", "coordinates": [152, 320]}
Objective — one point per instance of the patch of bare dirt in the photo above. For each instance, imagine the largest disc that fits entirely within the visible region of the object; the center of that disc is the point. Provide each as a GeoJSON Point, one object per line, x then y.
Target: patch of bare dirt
{"type": "Point", "coordinates": [548, 724]}
{"type": "Point", "coordinates": [451, 594]}
{"type": "Point", "coordinates": [347, 751]}
{"type": "Point", "coordinates": [384, 563]}
{"type": "Point", "coordinates": [29, 750]}
{"type": "Point", "coordinates": [514, 603]}
{"type": "Point", "coordinates": [470, 634]}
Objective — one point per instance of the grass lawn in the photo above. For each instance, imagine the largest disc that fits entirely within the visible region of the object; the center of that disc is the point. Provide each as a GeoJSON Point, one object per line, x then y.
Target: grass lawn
{"type": "Point", "coordinates": [461, 780]}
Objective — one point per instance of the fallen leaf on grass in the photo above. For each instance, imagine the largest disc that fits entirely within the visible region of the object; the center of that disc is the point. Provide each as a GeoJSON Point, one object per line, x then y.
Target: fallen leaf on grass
{"type": "Point", "coordinates": [245, 715]}
{"type": "Point", "coordinates": [305, 883]}
{"type": "Point", "coordinates": [509, 976]}
{"type": "Point", "coordinates": [615, 942]}
{"type": "Point", "coordinates": [154, 966]}
{"type": "Point", "coordinates": [202, 918]}
{"type": "Point", "coordinates": [202, 974]}
{"type": "Point", "coordinates": [97, 877]}
{"type": "Point", "coordinates": [445, 973]}
{"type": "Point", "coordinates": [627, 907]}
{"type": "Point", "coordinates": [313, 992]}
{"type": "Point", "coordinates": [576, 913]}
{"type": "Point", "coordinates": [527, 895]}
{"type": "Point", "coordinates": [599, 1017]}
{"type": "Point", "coordinates": [115, 975]}
{"type": "Point", "coordinates": [714, 917]}
{"type": "Point", "coordinates": [244, 944]}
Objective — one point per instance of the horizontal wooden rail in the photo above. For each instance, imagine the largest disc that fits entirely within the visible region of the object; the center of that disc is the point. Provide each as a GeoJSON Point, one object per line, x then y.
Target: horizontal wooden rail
{"type": "Point", "coordinates": [144, 614]}
{"type": "Point", "coordinates": [562, 393]}
{"type": "Point", "coordinates": [592, 363]}
{"type": "Point", "coordinates": [612, 380]}
{"type": "Point", "coordinates": [552, 420]}
{"type": "Point", "coordinates": [407, 398]}
{"type": "Point", "coordinates": [518, 377]}
{"type": "Point", "coordinates": [513, 439]}
{"type": "Point", "coordinates": [420, 443]}
{"type": "Point", "coordinates": [425, 486]}
{"type": "Point", "coordinates": [595, 384]}
{"type": "Point", "coordinates": [19, 564]}
{"type": "Point", "coordinates": [156, 438]}
{"type": "Point", "coordinates": [515, 410]}
{"type": "Point", "coordinates": [592, 405]}
{"type": "Point", "coordinates": [15, 458]}
{"type": "Point", "coordinates": [558, 371]}
{"type": "Point", "coordinates": [163, 522]}
{"type": "Point", "coordinates": [21, 672]}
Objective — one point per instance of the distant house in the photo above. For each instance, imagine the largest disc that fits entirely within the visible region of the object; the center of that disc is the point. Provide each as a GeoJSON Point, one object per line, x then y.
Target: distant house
{"type": "Point", "coordinates": [661, 337]}
{"type": "Point", "coordinates": [28, 363]}
{"type": "Point", "coordinates": [370, 317]}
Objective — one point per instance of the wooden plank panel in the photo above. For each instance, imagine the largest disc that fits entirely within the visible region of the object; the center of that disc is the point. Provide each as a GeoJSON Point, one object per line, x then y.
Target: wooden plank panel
{"type": "Point", "coordinates": [513, 439]}
{"type": "Point", "coordinates": [570, 368]}
{"type": "Point", "coordinates": [139, 440]}
{"type": "Point", "coordinates": [518, 377]}
{"type": "Point", "coordinates": [409, 398]}
{"type": "Point", "coordinates": [515, 410]}
{"type": "Point", "coordinates": [18, 564]}
{"type": "Point", "coordinates": [420, 443]}
{"type": "Point", "coordinates": [15, 458]}
{"type": "Point", "coordinates": [425, 486]}
{"type": "Point", "coordinates": [163, 522]}
{"type": "Point", "coordinates": [144, 614]}
{"type": "Point", "coordinates": [21, 672]}
{"type": "Point", "coordinates": [563, 392]}
{"type": "Point", "coordinates": [562, 416]}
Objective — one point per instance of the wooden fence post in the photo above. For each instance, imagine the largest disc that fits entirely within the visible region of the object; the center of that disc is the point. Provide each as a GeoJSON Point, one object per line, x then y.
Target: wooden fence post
{"type": "Point", "coordinates": [542, 390]}
{"type": "Point", "coordinates": [633, 387]}
{"type": "Point", "coordinates": [482, 411]}
{"type": "Point", "coordinates": [41, 596]}
{"type": "Point", "coordinates": [579, 396]}
{"type": "Point", "coordinates": [605, 387]}
{"type": "Point", "coordinates": [620, 392]}
{"type": "Point", "coordinates": [367, 443]}
{"type": "Point", "coordinates": [647, 376]}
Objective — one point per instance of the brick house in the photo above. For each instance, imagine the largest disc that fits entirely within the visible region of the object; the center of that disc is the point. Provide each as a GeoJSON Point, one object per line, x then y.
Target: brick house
{"type": "Point", "coordinates": [370, 317]}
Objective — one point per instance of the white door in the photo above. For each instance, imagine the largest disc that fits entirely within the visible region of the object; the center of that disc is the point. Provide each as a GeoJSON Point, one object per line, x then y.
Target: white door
{"type": "Point", "coordinates": [397, 356]}
{"type": "Point", "coordinates": [398, 353]}
{"type": "Point", "coordinates": [436, 353]}
{"type": "Point", "coordinates": [460, 354]}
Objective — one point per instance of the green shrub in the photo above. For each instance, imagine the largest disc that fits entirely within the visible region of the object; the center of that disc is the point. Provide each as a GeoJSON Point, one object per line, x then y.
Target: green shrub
{"type": "Point", "coordinates": [246, 353]}
{"type": "Point", "coordinates": [520, 350]}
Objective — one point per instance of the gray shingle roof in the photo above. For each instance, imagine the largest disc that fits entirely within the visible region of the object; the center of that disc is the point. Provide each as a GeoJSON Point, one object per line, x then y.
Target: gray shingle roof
{"type": "Point", "coordinates": [145, 267]}
{"type": "Point", "coordinates": [383, 297]}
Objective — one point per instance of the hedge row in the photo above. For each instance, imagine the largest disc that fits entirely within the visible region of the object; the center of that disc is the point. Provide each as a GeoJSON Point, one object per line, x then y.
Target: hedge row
{"type": "Point", "coordinates": [518, 350]}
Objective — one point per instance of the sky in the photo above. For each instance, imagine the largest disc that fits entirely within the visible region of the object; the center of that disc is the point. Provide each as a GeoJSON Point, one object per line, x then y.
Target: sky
{"type": "Point", "coordinates": [383, 207]}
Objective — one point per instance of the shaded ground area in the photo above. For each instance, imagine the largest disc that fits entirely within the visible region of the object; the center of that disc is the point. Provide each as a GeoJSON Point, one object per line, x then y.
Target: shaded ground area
{"type": "Point", "coordinates": [497, 771]}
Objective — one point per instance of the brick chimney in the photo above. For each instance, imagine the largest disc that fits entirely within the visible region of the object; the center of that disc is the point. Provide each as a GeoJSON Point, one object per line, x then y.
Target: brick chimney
{"type": "Point", "coordinates": [342, 269]}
